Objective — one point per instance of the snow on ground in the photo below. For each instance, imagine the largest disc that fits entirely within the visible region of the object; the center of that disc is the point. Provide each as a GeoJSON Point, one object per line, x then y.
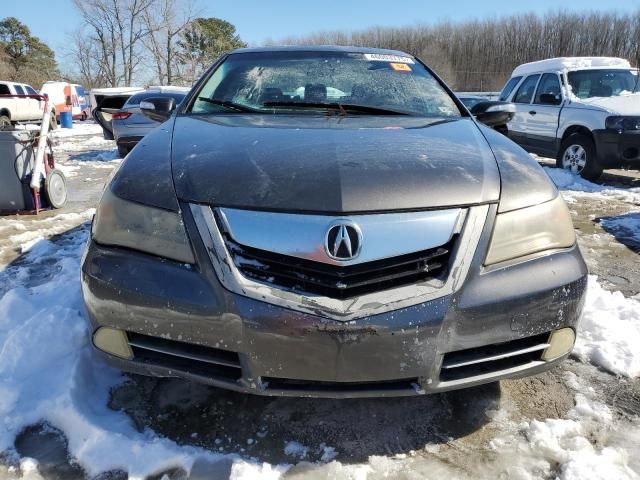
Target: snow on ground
{"type": "Point", "coordinates": [574, 186]}
{"type": "Point", "coordinates": [67, 386]}
{"type": "Point", "coordinates": [48, 373]}
{"type": "Point", "coordinates": [81, 146]}
{"type": "Point", "coordinates": [609, 334]}
{"type": "Point", "coordinates": [14, 233]}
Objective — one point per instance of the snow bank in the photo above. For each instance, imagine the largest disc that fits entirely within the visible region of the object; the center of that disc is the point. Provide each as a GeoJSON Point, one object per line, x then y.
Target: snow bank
{"type": "Point", "coordinates": [19, 236]}
{"type": "Point", "coordinates": [609, 332]}
{"type": "Point", "coordinates": [79, 129]}
{"type": "Point", "coordinates": [569, 444]}
{"type": "Point", "coordinates": [48, 373]}
{"type": "Point", "coordinates": [84, 142]}
{"type": "Point", "coordinates": [573, 185]}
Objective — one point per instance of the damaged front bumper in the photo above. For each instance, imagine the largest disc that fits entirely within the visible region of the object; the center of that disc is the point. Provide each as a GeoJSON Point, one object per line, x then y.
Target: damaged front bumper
{"type": "Point", "coordinates": [179, 321]}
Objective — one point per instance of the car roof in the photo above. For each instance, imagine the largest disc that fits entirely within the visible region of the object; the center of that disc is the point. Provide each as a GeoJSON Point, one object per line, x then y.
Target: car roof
{"type": "Point", "coordinates": [168, 89]}
{"type": "Point", "coordinates": [570, 63]}
{"type": "Point", "coordinates": [116, 90]}
{"type": "Point", "coordinates": [160, 93]}
{"type": "Point", "coordinates": [7, 82]}
{"type": "Point", "coordinates": [319, 48]}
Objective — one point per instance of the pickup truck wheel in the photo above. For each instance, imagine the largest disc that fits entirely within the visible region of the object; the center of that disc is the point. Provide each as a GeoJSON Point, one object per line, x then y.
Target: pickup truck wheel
{"type": "Point", "coordinates": [5, 122]}
{"type": "Point", "coordinates": [578, 154]}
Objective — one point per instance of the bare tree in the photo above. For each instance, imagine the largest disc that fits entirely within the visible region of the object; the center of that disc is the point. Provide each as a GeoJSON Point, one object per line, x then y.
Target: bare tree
{"type": "Point", "coordinates": [117, 28]}
{"type": "Point", "coordinates": [86, 57]}
{"type": "Point", "coordinates": [165, 22]}
{"type": "Point", "coordinates": [480, 55]}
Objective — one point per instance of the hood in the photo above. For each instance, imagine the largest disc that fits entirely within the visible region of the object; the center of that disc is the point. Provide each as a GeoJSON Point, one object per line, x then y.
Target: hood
{"type": "Point", "coordinates": [620, 105]}
{"type": "Point", "coordinates": [332, 164]}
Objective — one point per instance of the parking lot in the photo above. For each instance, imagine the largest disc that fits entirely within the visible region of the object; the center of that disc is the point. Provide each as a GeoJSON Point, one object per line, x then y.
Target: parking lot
{"type": "Point", "coordinates": [579, 418]}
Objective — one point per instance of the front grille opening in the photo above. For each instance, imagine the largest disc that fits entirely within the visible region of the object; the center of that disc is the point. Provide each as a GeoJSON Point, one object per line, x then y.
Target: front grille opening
{"type": "Point", "coordinates": [492, 358]}
{"type": "Point", "coordinates": [340, 282]}
{"type": "Point", "coordinates": [186, 357]}
{"type": "Point", "coordinates": [287, 384]}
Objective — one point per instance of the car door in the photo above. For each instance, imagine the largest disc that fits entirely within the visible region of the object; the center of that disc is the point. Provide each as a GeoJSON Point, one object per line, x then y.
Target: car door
{"type": "Point", "coordinates": [106, 107]}
{"type": "Point", "coordinates": [544, 115]}
{"type": "Point", "coordinates": [22, 105]}
{"type": "Point", "coordinates": [36, 106]}
{"type": "Point", "coordinates": [519, 125]}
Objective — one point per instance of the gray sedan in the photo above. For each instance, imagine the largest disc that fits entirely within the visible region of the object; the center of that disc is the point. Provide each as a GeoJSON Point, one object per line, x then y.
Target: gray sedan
{"type": "Point", "coordinates": [130, 125]}
{"type": "Point", "coordinates": [330, 221]}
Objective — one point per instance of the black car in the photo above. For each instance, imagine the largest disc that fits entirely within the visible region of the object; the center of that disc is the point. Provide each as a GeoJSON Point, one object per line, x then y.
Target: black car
{"type": "Point", "coordinates": [330, 221]}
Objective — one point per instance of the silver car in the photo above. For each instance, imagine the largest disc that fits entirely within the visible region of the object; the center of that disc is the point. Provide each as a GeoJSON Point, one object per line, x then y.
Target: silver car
{"type": "Point", "coordinates": [130, 125]}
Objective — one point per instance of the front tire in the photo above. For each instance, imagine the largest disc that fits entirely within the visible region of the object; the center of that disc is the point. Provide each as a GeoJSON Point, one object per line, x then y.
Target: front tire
{"type": "Point", "coordinates": [578, 154]}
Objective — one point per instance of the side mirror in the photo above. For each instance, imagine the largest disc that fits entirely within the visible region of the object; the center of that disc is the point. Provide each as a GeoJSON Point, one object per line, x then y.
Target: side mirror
{"type": "Point", "coordinates": [158, 109]}
{"type": "Point", "coordinates": [493, 113]}
{"type": "Point", "coordinates": [550, 99]}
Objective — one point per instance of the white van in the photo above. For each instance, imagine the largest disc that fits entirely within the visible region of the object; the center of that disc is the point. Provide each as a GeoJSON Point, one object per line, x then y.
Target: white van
{"type": "Point", "coordinates": [583, 111]}
{"type": "Point", "coordinates": [77, 98]}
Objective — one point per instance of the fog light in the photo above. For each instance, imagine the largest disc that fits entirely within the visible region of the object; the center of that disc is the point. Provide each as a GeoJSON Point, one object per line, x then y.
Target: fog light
{"type": "Point", "coordinates": [113, 341]}
{"type": "Point", "coordinates": [560, 343]}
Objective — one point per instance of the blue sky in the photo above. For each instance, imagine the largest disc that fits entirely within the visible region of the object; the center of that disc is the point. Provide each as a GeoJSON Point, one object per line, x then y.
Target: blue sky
{"type": "Point", "coordinates": [257, 20]}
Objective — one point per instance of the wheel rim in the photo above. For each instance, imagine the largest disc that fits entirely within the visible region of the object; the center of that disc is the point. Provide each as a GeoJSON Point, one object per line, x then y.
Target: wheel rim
{"type": "Point", "coordinates": [57, 190]}
{"type": "Point", "coordinates": [574, 158]}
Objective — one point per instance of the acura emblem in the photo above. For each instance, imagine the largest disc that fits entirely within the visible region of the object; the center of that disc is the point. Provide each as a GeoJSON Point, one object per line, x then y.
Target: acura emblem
{"type": "Point", "coordinates": [343, 240]}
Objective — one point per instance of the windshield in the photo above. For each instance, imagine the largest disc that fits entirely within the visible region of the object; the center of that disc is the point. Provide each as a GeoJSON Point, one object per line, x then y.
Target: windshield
{"type": "Point", "coordinates": [308, 82]}
{"type": "Point", "coordinates": [603, 83]}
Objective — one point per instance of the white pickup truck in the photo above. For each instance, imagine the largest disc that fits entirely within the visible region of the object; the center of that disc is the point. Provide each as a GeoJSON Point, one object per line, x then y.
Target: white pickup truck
{"type": "Point", "coordinates": [21, 109]}
{"type": "Point", "coordinates": [582, 111]}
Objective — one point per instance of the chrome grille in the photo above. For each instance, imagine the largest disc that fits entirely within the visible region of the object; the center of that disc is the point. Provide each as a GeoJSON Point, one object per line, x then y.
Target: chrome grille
{"type": "Point", "coordinates": [457, 232]}
{"type": "Point", "coordinates": [340, 282]}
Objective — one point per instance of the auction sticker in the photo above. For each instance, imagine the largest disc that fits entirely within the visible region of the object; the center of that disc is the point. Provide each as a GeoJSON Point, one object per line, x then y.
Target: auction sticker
{"type": "Point", "coordinates": [379, 57]}
{"type": "Point", "coordinates": [400, 67]}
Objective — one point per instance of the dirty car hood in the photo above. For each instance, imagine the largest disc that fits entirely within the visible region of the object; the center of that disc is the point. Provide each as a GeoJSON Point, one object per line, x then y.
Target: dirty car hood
{"type": "Point", "coordinates": [330, 164]}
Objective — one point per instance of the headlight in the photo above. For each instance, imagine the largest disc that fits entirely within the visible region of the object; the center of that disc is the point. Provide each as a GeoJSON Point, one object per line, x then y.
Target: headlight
{"type": "Point", "coordinates": [530, 230]}
{"type": "Point", "coordinates": [622, 123]}
{"type": "Point", "coordinates": [127, 224]}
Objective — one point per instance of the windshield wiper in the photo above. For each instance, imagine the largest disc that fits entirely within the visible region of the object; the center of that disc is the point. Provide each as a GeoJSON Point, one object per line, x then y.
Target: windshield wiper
{"type": "Point", "coordinates": [342, 107]}
{"type": "Point", "coordinates": [228, 104]}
